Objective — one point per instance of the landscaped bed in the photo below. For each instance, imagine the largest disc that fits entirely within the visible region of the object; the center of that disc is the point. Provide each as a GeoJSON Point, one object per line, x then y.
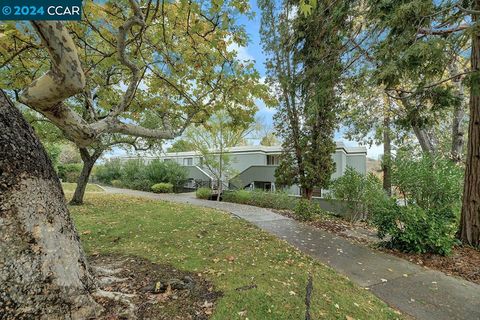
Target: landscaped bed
{"type": "Point", "coordinates": [254, 275]}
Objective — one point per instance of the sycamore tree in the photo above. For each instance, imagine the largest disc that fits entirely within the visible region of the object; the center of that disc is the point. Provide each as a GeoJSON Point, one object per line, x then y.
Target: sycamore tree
{"type": "Point", "coordinates": [304, 67]}
{"type": "Point", "coordinates": [44, 271]}
{"type": "Point", "coordinates": [164, 66]}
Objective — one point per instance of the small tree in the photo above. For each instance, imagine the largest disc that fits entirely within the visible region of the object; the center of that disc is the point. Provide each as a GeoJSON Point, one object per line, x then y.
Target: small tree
{"type": "Point", "coordinates": [214, 138]}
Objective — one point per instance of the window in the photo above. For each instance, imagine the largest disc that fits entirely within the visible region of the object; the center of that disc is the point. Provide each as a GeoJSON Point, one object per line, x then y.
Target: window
{"type": "Point", "coordinates": [273, 160]}
{"type": "Point", "coordinates": [165, 160]}
{"type": "Point", "coordinates": [188, 161]}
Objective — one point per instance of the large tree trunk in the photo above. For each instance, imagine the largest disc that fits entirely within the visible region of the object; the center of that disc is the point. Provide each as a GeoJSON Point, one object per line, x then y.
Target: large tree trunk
{"type": "Point", "coordinates": [44, 273]}
{"type": "Point", "coordinates": [387, 156]}
{"type": "Point", "coordinates": [470, 218]}
{"type": "Point", "coordinates": [88, 163]}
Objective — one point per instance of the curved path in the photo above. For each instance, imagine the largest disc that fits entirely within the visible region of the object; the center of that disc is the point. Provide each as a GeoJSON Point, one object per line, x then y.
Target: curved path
{"type": "Point", "coordinates": [412, 289]}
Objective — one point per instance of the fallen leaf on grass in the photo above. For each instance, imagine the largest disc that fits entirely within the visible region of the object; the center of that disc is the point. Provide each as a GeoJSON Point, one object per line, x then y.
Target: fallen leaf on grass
{"type": "Point", "coordinates": [242, 313]}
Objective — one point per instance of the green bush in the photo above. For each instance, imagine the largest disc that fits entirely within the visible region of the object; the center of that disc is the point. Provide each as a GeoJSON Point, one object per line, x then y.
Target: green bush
{"type": "Point", "coordinates": [237, 196]}
{"type": "Point", "coordinates": [156, 170]}
{"type": "Point", "coordinates": [135, 174]}
{"type": "Point", "coordinates": [275, 200]}
{"type": "Point", "coordinates": [414, 229]}
{"type": "Point", "coordinates": [176, 175]}
{"type": "Point", "coordinates": [111, 170]}
{"type": "Point", "coordinates": [69, 172]}
{"type": "Point", "coordinates": [162, 188]}
{"type": "Point", "coordinates": [117, 183]}
{"type": "Point", "coordinates": [430, 182]}
{"type": "Point", "coordinates": [306, 210]}
{"type": "Point", "coordinates": [431, 189]}
{"type": "Point", "coordinates": [360, 192]}
{"type": "Point", "coordinates": [203, 193]}
{"type": "Point", "coordinates": [140, 184]}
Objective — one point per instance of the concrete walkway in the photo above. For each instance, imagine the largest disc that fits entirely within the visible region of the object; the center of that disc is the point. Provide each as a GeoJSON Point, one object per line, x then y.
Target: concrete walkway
{"type": "Point", "coordinates": [414, 290]}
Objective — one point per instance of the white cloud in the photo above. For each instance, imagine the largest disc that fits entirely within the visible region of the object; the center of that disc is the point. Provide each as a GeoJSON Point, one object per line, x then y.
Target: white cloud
{"type": "Point", "coordinates": [242, 52]}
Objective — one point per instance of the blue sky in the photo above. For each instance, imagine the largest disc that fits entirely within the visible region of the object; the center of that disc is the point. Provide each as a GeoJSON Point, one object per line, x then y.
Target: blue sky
{"type": "Point", "coordinates": [253, 51]}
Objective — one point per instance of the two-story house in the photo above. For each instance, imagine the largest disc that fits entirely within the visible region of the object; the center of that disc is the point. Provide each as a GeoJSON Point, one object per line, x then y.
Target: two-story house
{"type": "Point", "coordinates": [254, 166]}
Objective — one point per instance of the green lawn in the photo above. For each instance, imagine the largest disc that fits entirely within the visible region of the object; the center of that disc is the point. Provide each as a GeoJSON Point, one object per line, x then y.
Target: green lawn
{"type": "Point", "coordinates": [229, 252]}
{"type": "Point", "coordinates": [70, 187]}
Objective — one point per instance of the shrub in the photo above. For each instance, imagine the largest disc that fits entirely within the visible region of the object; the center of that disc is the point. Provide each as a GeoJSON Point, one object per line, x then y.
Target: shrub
{"type": "Point", "coordinates": [430, 182]}
{"type": "Point", "coordinates": [156, 171]}
{"type": "Point", "coordinates": [306, 210]}
{"type": "Point", "coordinates": [117, 183]}
{"type": "Point", "coordinates": [162, 188]}
{"type": "Point", "coordinates": [414, 229]}
{"type": "Point", "coordinates": [166, 172]}
{"type": "Point", "coordinates": [140, 184]}
{"type": "Point", "coordinates": [275, 200]}
{"type": "Point", "coordinates": [176, 174]}
{"type": "Point", "coordinates": [238, 196]}
{"type": "Point", "coordinates": [203, 193]}
{"type": "Point", "coordinates": [134, 175]}
{"type": "Point", "coordinates": [427, 222]}
{"type": "Point", "coordinates": [69, 172]}
{"type": "Point", "coordinates": [111, 170]}
{"type": "Point", "coordinates": [360, 192]}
